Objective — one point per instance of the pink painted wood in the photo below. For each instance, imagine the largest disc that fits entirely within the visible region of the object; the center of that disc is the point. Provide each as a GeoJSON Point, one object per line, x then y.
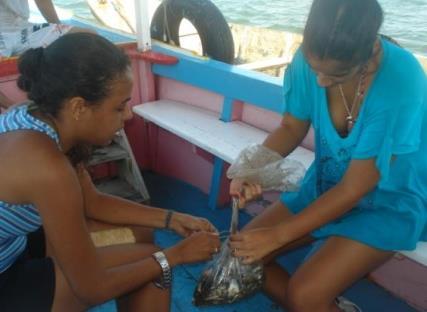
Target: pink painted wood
{"type": "Point", "coordinates": [143, 91]}
{"type": "Point", "coordinates": [177, 91]}
{"type": "Point", "coordinates": [405, 279]}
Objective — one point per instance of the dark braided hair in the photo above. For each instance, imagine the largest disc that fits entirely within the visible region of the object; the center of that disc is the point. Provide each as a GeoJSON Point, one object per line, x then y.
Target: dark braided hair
{"type": "Point", "coordinates": [342, 30]}
{"type": "Point", "coordinates": [76, 64]}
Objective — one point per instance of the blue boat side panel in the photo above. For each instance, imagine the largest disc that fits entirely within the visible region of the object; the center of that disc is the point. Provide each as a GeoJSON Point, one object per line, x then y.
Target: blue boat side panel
{"type": "Point", "coordinates": [227, 110]}
{"type": "Point", "coordinates": [215, 182]}
{"type": "Point", "coordinates": [231, 81]}
{"type": "Point", "coordinates": [110, 35]}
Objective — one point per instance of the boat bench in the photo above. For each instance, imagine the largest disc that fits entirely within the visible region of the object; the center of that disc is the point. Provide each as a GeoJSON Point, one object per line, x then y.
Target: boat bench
{"type": "Point", "coordinates": [224, 140]}
{"type": "Point", "coordinates": [204, 129]}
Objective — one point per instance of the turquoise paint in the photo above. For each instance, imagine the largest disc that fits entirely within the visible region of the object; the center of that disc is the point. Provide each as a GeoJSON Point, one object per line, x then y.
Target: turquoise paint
{"type": "Point", "coordinates": [110, 35]}
{"type": "Point", "coordinates": [215, 182]}
{"type": "Point", "coordinates": [227, 110]}
{"type": "Point", "coordinates": [231, 81]}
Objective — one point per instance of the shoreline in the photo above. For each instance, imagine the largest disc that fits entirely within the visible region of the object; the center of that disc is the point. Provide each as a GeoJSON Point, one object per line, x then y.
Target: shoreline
{"type": "Point", "coordinates": [257, 48]}
{"type": "Point", "coordinates": [253, 44]}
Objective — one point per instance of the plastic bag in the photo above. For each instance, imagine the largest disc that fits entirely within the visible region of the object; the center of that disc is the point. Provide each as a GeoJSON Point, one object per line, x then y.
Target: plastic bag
{"type": "Point", "coordinates": [226, 279]}
{"type": "Point", "coordinates": [258, 164]}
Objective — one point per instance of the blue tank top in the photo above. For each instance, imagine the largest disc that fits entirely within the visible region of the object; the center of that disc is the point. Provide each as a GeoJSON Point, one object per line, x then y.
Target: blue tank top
{"type": "Point", "coordinates": [17, 220]}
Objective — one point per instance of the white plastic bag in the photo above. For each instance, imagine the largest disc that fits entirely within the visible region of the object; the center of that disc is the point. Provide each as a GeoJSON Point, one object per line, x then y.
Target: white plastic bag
{"type": "Point", "coordinates": [261, 165]}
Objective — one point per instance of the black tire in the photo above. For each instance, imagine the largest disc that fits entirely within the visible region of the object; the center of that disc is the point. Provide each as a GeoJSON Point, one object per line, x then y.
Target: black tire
{"type": "Point", "coordinates": [214, 32]}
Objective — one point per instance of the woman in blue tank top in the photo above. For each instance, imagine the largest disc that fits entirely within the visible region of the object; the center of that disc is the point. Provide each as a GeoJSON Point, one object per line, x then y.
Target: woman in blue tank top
{"type": "Point", "coordinates": [366, 192]}
{"type": "Point", "coordinates": [78, 90]}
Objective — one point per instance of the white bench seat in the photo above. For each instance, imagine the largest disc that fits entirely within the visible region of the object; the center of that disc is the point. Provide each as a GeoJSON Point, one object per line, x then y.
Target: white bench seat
{"type": "Point", "coordinates": [418, 255]}
{"type": "Point", "coordinates": [225, 140]}
{"type": "Point", "coordinates": [203, 128]}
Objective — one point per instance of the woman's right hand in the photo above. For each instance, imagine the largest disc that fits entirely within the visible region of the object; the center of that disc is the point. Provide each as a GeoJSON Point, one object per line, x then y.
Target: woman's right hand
{"type": "Point", "coordinates": [199, 246]}
{"type": "Point", "coordinates": [244, 191]}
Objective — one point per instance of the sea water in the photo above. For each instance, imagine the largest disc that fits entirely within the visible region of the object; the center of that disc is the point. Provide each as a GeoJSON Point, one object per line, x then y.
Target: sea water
{"type": "Point", "coordinates": [405, 20]}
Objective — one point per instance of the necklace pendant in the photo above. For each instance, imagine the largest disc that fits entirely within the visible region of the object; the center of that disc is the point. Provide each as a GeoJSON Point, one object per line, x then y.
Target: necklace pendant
{"type": "Point", "coordinates": [350, 123]}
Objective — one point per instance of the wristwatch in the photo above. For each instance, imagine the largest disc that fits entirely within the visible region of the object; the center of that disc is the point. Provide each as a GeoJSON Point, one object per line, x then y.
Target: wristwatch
{"type": "Point", "coordinates": [166, 279]}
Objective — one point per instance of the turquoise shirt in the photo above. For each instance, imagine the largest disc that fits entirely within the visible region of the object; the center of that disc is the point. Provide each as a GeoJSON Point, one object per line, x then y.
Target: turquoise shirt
{"type": "Point", "coordinates": [392, 123]}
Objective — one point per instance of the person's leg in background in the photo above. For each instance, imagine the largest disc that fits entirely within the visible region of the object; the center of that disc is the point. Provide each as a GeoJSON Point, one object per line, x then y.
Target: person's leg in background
{"type": "Point", "coordinates": [38, 35]}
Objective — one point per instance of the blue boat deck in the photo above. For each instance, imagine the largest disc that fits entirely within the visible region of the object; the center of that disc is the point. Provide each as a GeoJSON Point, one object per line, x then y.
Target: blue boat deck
{"type": "Point", "coordinates": [179, 196]}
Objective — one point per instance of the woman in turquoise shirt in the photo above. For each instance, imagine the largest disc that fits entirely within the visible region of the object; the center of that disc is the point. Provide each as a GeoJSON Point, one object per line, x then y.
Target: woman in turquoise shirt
{"type": "Point", "coordinates": [366, 192]}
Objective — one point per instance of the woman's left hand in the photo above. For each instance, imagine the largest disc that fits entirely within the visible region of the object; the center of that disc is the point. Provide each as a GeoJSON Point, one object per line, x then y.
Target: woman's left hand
{"type": "Point", "coordinates": [253, 245]}
{"type": "Point", "coordinates": [185, 224]}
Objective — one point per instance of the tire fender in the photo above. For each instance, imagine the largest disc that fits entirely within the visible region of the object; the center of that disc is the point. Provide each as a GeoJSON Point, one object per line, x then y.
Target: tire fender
{"type": "Point", "coordinates": [212, 28]}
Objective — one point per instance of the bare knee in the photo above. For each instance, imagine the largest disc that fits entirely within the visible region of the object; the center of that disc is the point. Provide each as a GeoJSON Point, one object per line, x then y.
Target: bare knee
{"type": "Point", "coordinates": [302, 296]}
{"type": "Point", "coordinates": [143, 235]}
{"type": "Point", "coordinates": [65, 298]}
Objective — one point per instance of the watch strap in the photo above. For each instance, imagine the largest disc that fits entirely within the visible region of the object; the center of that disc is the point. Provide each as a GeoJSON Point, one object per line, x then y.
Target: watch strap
{"type": "Point", "coordinates": [166, 279]}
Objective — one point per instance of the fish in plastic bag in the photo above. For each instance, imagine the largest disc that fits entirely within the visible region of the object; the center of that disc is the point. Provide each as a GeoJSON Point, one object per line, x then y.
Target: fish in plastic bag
{"type": "Point", "coordinates": [226, 279]}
